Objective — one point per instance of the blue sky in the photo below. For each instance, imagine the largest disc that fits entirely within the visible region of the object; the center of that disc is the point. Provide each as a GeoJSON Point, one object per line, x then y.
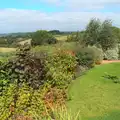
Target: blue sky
{"type": "Point", "coordinates": [31, 15]}
{"type": "Point", "coordinates": [30, 5]}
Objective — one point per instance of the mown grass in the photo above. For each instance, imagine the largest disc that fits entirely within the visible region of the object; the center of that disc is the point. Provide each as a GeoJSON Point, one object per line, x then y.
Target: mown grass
{"type": "Point", "coordinates": [96, 97]}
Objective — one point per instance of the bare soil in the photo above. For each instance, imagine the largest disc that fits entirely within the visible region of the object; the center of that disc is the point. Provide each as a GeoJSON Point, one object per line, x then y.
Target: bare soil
{"type": "Point", "coordinates": [110, 61]}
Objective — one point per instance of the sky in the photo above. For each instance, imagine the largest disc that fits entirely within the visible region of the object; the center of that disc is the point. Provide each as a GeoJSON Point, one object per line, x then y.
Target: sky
{"type": "Point", "coordinates": [64, 15]}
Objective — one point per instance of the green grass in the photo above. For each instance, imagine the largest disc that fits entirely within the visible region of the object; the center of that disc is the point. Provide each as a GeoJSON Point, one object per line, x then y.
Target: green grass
{"type": "Point", "coordinates": [4, 56]}
{"type": "Point", "coordinates": [61, 37]}
{"type": "Point", "coordinates": [52, 48]}
{"type": "Point", "coordinates": [96, 97]}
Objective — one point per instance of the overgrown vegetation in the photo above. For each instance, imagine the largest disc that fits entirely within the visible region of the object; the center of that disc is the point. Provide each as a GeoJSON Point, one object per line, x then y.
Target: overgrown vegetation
{"type": "Point", "coordinates": [35, 79]}
{"type": "Point", "coordinates": [42, 37]}
{"type": "Point", "coordinates": [30, 81]}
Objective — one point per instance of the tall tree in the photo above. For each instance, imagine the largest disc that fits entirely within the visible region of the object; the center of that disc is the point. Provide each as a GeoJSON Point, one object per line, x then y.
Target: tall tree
{"type": "Point", "coordinates": [101, 33]}
{"type": "Point", "coordinates": [106, 37]}
{"type": "Point", "coordinates": [116, 32]}
{"type": "Point", "coordinates": [92, 32]}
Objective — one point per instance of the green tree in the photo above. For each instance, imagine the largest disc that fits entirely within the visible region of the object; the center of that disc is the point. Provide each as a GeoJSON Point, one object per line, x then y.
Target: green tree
{"type": "Point", "coordinates": [106, 37]}
{"type": "Point", "coordinates": [42, 37]}
{"type": "Point", "coordinates": [3, 41]}
{"type": "Point", "coordinates": [116, 32]}
{"type": "Point", "coordinates": [92, 32]}
{"type": "Point", "coordinates": [101, 33]}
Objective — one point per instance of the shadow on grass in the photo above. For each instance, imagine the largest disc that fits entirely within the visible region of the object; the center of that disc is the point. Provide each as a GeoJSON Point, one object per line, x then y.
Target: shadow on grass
{"type": "Point", "coordinates": [115, 115]}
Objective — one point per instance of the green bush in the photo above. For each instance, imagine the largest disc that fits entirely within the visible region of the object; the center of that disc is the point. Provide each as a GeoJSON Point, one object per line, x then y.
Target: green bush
{"type": "Point", "coordinates": [3, 42]}
{"type": "Point", "coordinates": [114, 78]}
{"type": "Point", "coordinates": [27, 102]}
{"type": "Point", "coordinates": [42, 37]}
{"type": "Point", "coordinates": [85, 57]}
{"type": "Point", "coordinates": [88, 56]}
{"type": "Point", "coordinates": [98, 54]}
{"type": "Point", "coordinates": [74, 37]}
{"type": "Point", "coordinates": [61, 67]}
{"type": "Point", "coordinates": [119, 51]}
{"type": "Point", "coordinates": [112, 54]}
{"type": "Point", "coordinates": [28, 77]}
{"type": "Point", "coordinates": [21, 82]}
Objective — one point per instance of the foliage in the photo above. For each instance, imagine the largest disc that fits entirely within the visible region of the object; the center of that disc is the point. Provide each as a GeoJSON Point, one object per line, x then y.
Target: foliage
{"type": "Point", "coordinates": [3, 42]}
{"type": "Point", "coordinates": [61, 66]}
{"type": "Point", "coordinates": [26, 75]}
{"type": "Point", "coordinates": [26, 67]}
{"type": "Point", "coordinates": [28, 86]}
{"type": "Point", "coordinates": [92, 31]}
{"type": "Point", "coordinates": [106, 38]}
{"type": "Point", "coordinates": [20, 102]}
{"type": "Point", "coordinates": [98, 54]}
{"type": "Point", "coordinates": [114, 78]}
{"type": "Point", "coordinates": [42, 37]}
{"type": "Point", "coordinates": [111, 54]}
{"type": "Point", "coordinates": [60, 113]}
{"type": "Point", "coordinates": [100, 33]}
{"type": "Point", "coordinates": [116, 32]}
{"type": "Point", "coordinates": [54, 97]}
{"type": "Point", "coordinates": [85, 57]}
{"type": "Point", "coordinates": [88, 56]}
{"type": "Point", "coordinates": [9, 54]}
{"type": "Point", "coordinates": [54, 32]}
{"type": "Point", "coordinates": [74, 37]}
{"type": "Point", "coordinates": [119, 51]}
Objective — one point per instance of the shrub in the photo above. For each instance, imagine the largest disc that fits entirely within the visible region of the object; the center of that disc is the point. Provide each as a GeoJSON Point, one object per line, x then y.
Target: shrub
{"type": "Point", "coordinates": [42, 37]}
{"type": "Point", "coordinates": [61, 67]}
{"type": "Point", "coordinates": [3, 42]}
{"type": "Point", "coordinates": [88, 56]}
{"type": "Point", "coordinates": [85, 57]}
{"type": "Point", "coordinates": [98, 54]}
{"type": "Point", "coordinates": [60, 113]}
{"type": "Point", "coordinates": [28, 85]}
{"type": "Point", "coordinates": [112, 54]}
{"type": "Point", "coordinates": [119, 50]}
{"type": "Point", "coordinates": [74, 37]}
{"type": "Point", "coordinates": [114, 78]}
{"type": "Point", "coordinates": [27, 102]}
{"type": "Point", "coordinates": [80, 70]}
{"type": "Point", "coordinates": [22, 80]}
{"type": "Point", "coordinates": [26, 67]}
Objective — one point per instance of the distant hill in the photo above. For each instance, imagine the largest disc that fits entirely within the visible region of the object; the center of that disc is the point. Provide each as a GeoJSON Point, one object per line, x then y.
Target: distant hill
{"type": "Point", "coordinates": [16, 34]}
{"type": "Point", "coordinates": [29, 33]}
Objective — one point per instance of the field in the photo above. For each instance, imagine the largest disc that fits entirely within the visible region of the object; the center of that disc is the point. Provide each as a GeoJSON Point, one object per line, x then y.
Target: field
{"type": "Point", "coordinates": [52, 48]}
{"type": "Point", "coordinates": [25, 41]}
{"type": "Point", "coordinates": [96, 97]}
{"type": "Point", "coordinates": [61, 37]}
{"type": "Point", "coordinates": [5, 50]}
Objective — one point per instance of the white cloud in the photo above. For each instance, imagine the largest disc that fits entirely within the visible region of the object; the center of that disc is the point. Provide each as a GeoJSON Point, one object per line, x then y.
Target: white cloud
{"type": "Point", "coordinates": [13, 20]}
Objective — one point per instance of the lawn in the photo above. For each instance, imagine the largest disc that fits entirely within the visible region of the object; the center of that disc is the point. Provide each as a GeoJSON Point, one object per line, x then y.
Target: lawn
{"type": "Point", "coordinates": [94, 96]}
